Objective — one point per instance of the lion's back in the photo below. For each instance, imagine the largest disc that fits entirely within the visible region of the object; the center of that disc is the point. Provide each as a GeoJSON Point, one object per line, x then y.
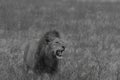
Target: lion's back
{"type": "Point", "coordinates": [29, 53]}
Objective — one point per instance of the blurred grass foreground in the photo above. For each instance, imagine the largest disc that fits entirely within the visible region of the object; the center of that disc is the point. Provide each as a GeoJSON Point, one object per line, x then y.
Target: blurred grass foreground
{"type": "Point", "coordinates": [91, 29]}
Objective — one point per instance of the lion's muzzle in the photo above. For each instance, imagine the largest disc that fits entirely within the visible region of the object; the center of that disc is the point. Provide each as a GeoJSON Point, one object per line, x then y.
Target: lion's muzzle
{"type": "Point", "coordinates": [59, 52]}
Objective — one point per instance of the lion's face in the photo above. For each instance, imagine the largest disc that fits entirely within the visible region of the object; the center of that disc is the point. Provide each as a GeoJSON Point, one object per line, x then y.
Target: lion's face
{"type": "Point", "coordinates": [58, 46]}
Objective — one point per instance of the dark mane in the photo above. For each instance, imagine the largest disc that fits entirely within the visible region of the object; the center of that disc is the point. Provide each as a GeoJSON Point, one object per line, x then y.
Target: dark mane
{"type": "Point", "coordinates": [45, 63]}
{"type": "Point", "coordinates": [52, 33]}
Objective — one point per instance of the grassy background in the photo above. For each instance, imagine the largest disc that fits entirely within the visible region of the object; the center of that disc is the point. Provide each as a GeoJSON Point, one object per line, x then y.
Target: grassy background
{"type": "Point", "coordinates": [91, 29]}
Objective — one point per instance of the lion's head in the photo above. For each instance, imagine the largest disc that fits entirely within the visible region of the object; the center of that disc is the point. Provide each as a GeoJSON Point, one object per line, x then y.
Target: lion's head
{"type": "Point", "coordinates": [57, 47]}
{"type": "Point", "coordinates": [55, 44]}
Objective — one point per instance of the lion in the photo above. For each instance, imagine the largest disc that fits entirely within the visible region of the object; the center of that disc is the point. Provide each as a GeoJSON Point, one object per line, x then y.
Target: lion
{"type": "Point", "coordinates": [43, 56]}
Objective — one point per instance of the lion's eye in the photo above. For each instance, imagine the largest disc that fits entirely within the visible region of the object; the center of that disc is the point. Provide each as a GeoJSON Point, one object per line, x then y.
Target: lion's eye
{"type": "Point", "coordinates": [47, 40]}
{"type": "Point", "coordinates": [57, 42]}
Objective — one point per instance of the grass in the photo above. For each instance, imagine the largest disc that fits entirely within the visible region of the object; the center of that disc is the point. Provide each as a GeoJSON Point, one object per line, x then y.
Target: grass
{"type": "Point", "coordinates": [91, 30]}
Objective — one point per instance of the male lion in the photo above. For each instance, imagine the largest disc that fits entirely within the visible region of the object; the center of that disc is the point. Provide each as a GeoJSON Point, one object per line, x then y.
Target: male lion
{"type": "Point", "coordinates": [43, 56]}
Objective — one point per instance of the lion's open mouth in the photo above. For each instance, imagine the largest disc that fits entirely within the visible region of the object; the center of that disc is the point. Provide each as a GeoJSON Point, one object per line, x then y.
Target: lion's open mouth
{"type": "Point", "coordinates": [59, 54]}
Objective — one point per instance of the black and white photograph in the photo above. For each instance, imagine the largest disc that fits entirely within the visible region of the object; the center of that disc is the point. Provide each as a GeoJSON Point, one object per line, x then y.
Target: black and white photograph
{"type": "Point", "coordinates": [59, 39]}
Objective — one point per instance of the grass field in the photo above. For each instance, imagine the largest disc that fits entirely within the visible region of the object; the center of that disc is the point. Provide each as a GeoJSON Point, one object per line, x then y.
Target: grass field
{"type": "Point", "coordinates": [91, 30]}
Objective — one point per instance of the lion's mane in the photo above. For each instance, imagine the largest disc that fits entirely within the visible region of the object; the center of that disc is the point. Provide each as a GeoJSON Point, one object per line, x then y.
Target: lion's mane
{"type": "Point", "coordinates": [46, 62]}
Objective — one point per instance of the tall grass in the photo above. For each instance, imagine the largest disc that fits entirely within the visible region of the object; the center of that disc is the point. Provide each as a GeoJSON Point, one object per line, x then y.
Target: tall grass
{"type": "Point", "coordinates": [91, 31]}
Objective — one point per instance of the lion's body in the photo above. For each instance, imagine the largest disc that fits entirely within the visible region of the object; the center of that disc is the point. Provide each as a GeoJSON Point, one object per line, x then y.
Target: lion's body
{"type": "Point", "coordinates": [41, 56]}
